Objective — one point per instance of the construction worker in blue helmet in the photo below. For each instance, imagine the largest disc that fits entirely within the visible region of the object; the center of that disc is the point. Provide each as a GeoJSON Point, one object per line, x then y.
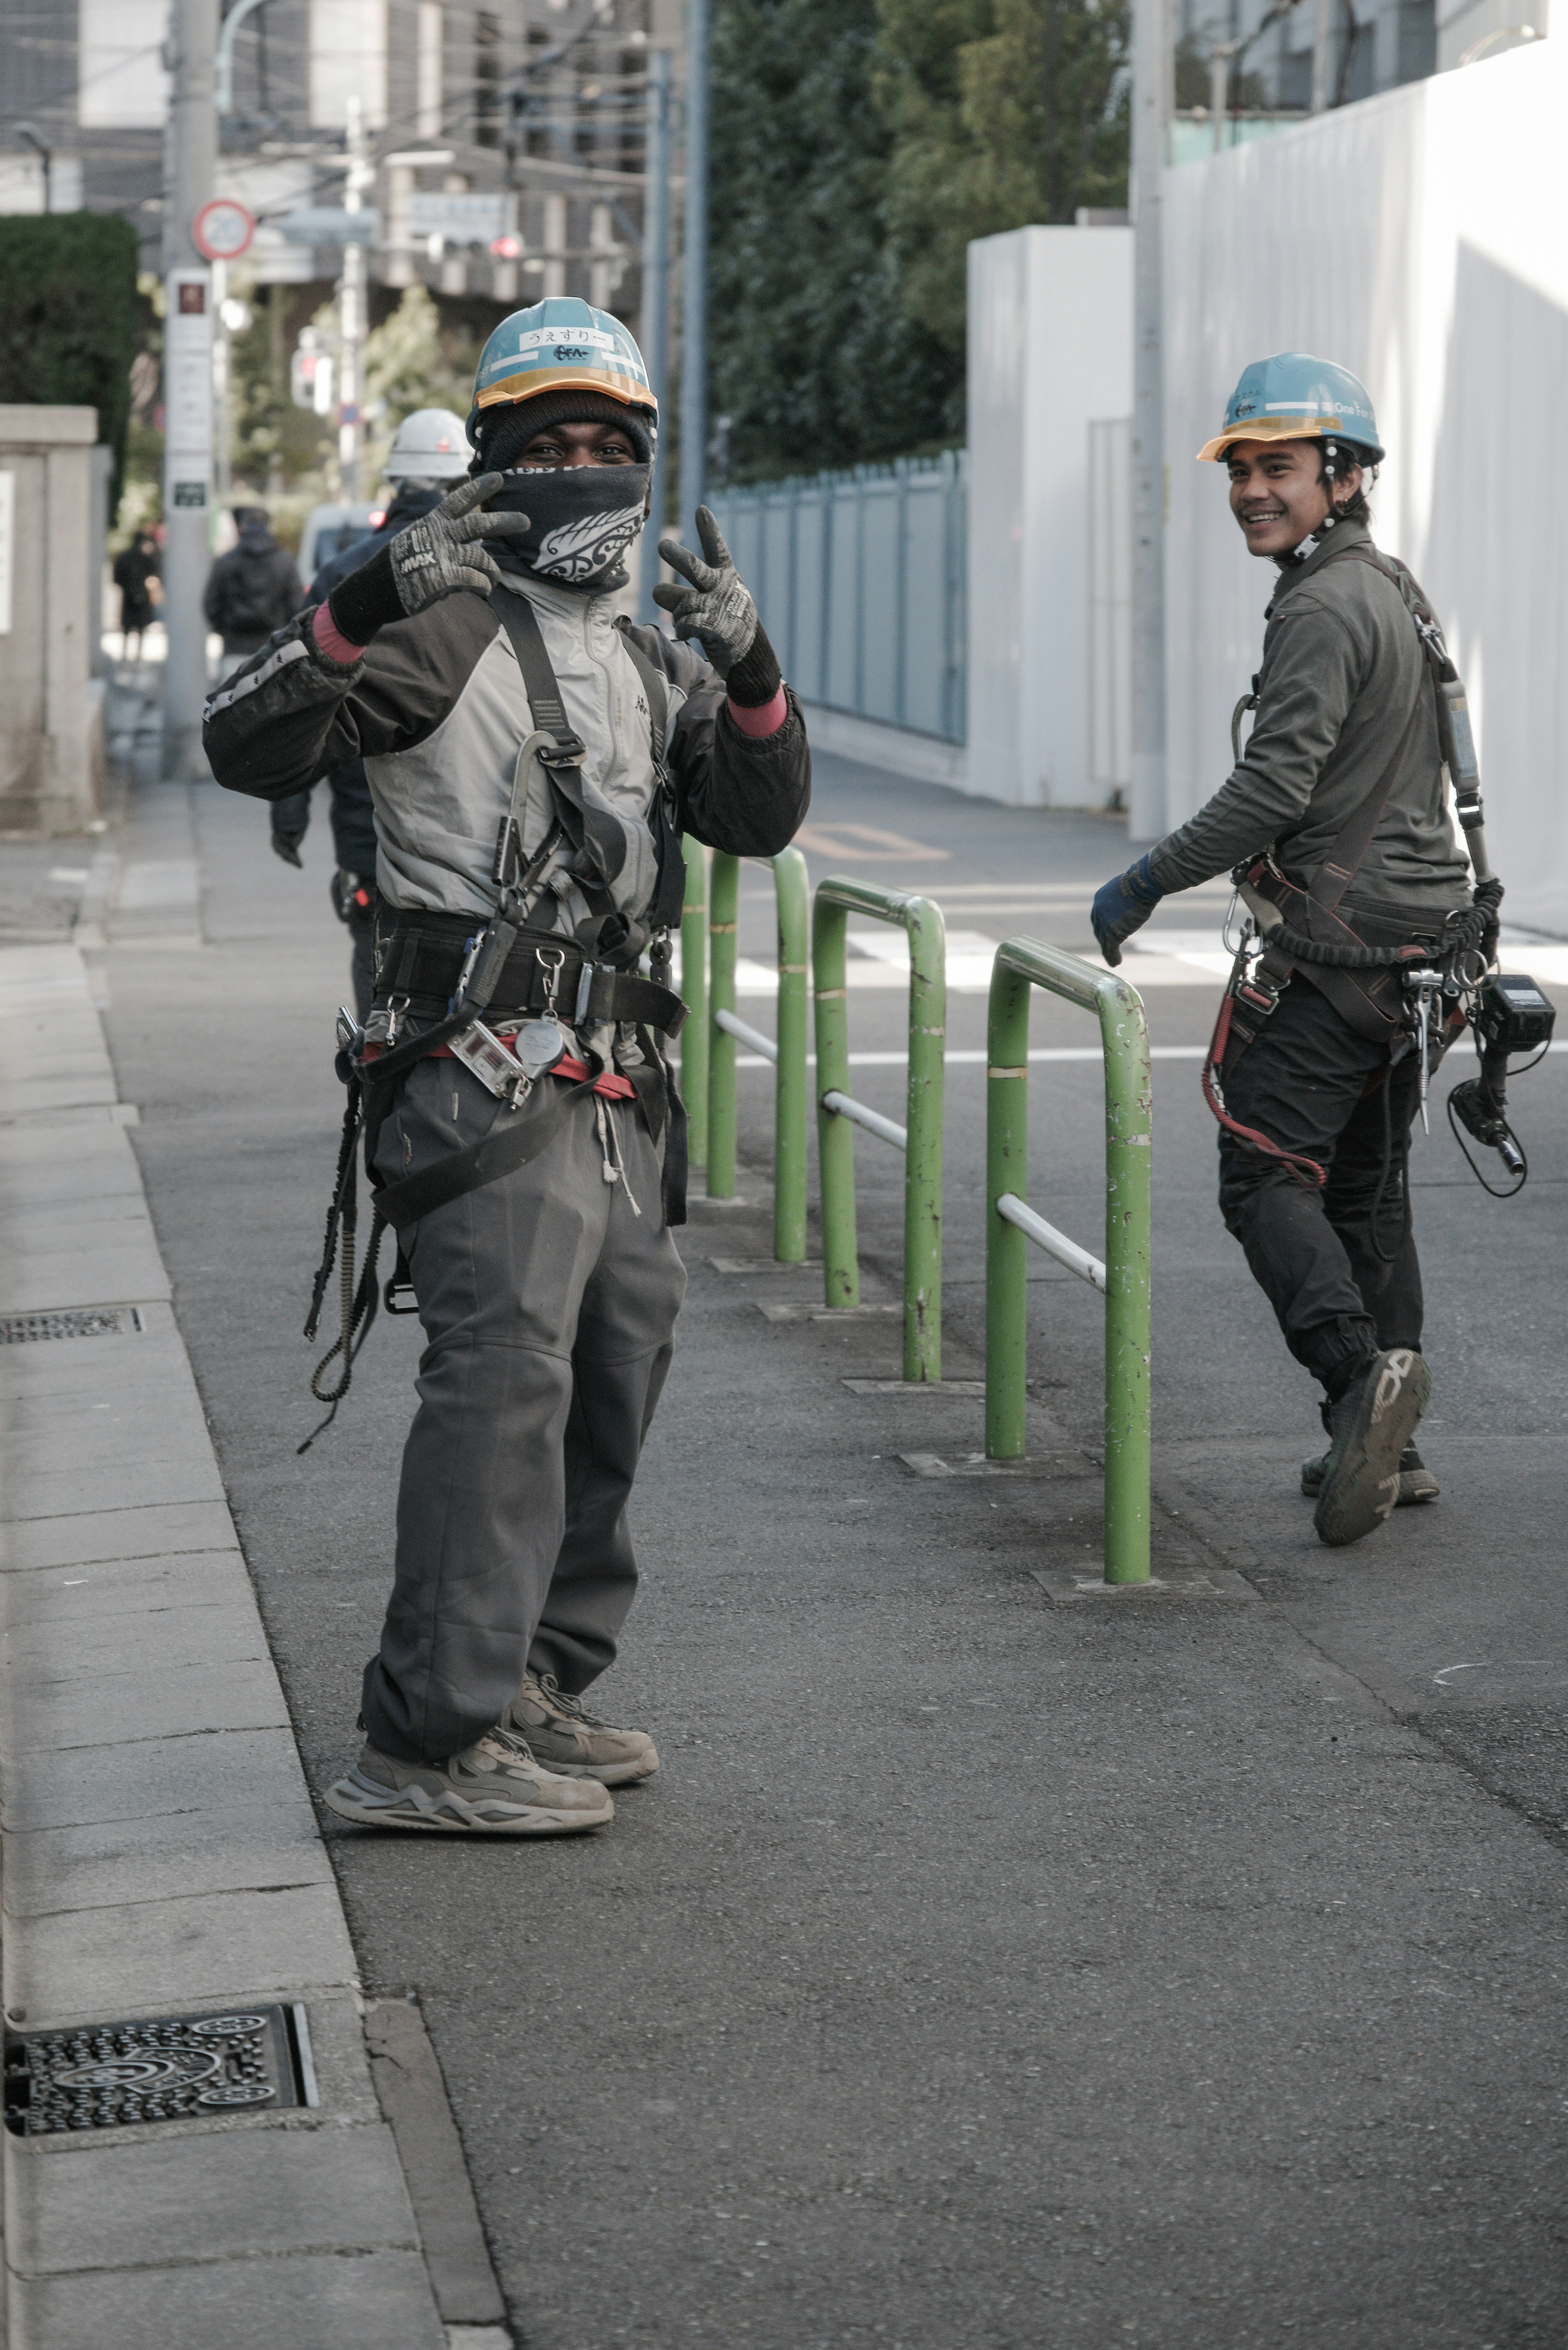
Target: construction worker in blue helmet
{"type": "Point", "coordinates": [533, 761]}
{"type": "Point", "coordinates": [1336, 826]}
{"type": "Point", "coordinates": [430, 451]}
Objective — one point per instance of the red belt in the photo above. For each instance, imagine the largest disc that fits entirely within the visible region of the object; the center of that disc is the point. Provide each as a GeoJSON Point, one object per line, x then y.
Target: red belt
{"type": "Point", "coordinates": [612, 1083]}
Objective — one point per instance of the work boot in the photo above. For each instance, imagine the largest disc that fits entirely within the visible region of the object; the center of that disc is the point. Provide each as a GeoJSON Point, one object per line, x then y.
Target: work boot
{"type": "Point", "coordinates": [1417, 1482]}
{"type": "Point", "coordinates": [1370, 1426]}
{"type": "Point", "coordinates": [570, 1739]}
{"type": "Point", "coordinates": [495, 1788]}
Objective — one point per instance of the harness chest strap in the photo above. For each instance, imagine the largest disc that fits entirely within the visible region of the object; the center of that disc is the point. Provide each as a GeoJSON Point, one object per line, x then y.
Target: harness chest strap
{"type": "Point", "coordinates": [601, 993]}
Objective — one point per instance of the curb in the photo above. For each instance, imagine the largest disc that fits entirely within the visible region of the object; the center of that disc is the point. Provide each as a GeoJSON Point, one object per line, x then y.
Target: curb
{"type": "Point", "coordinates": [161, 1856]}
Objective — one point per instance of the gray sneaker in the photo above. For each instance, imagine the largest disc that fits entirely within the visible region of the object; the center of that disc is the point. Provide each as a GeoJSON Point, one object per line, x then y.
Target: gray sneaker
{"type": "Point", "coordinates": [1370, 1425]}
{"type": "Point", "coordinates": [495, 1788]}
{"type": "Point", "coordinates": [570, 1739]}
{"type": "Point", "coordinates": [1417, 1482]}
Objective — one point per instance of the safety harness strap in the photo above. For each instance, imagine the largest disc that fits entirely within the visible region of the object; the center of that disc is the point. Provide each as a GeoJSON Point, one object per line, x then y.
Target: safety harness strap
{"type": "Point", "coordinates": [671, 898]}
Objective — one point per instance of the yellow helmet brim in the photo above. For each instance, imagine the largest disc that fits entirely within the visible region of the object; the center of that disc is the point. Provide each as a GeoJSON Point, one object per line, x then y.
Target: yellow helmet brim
{"type": "Point", "coordinates": [524, 385]}
{"type": "Point", "coordinates": [1270, 428]}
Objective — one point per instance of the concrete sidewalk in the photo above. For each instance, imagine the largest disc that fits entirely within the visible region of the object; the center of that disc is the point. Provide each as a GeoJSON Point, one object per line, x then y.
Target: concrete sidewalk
{"type": "Point", "coordinates": [160, 1853]}
{"type": "Point", "coordinates": [980, 1972]}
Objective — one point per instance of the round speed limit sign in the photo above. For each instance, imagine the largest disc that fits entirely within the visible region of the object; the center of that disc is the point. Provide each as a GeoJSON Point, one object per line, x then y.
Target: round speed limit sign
{"type": "Point", "coordinates": [222, 230]}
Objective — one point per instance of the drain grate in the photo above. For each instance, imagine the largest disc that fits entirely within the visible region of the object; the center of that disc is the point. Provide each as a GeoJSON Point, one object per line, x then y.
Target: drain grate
{"type": "Point", "coordinates": [159, 2069]}
{"type": "Point", "coordinates": [83, 1322]}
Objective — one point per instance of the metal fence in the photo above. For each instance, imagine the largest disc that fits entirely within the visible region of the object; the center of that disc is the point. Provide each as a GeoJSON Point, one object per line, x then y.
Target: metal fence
{"type": "Point", "coordinates": [860, 578]}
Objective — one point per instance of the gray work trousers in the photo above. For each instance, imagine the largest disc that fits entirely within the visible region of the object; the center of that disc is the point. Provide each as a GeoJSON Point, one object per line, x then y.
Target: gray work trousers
{"type": "Point", "coordinates": [549, 1308]}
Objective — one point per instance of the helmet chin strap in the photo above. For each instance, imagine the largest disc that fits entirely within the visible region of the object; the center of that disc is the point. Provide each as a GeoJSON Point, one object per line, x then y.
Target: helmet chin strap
{"type": "Point", "coordinates": [1314, 537]}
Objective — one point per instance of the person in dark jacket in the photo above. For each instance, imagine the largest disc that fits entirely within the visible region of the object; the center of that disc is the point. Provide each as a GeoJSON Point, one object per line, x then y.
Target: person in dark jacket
{"type": "Point", "coordinates": [137, 575]}
{"type": "Point", "coordinates": [1337, 814]}
{"type": "Point", "coordinates": [430, 451]}
{"type": "Point", "coordinates": [511, 724]}
{"type": "Point", "coordinates": [251, 591]}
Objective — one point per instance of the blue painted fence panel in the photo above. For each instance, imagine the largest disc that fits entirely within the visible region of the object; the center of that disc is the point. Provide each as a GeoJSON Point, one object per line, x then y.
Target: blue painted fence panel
{"type": "Point", "coordinates": [859, 578]}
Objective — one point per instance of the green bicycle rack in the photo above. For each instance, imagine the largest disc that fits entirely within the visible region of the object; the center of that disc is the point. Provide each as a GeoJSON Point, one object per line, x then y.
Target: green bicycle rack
{"type": "Point", "coordinates": [839, 1113]}
{"type": "Point", "coordinates": [791, 891]}
{"type": "Point", "coordinates": [1123, 1279]}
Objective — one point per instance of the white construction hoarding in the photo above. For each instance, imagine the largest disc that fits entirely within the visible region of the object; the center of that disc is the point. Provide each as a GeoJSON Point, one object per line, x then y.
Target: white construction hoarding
{"type": "Point", "coordinates": [1420, 238]}
{"type": "Point", "coordinates": [1050, 354]}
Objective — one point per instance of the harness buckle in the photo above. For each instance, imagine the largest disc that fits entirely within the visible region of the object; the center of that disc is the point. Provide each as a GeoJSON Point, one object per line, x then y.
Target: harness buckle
{"type": "Point", "coordinates": [551, 961]}
{"type": "Point", "coordinates": [567, 750]}
{"type": "Point", "coordinates": [585, 991]}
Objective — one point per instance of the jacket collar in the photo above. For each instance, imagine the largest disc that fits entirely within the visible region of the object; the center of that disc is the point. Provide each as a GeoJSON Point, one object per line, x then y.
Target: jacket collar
{"type": "Point", "coordinates": [1292, 572]}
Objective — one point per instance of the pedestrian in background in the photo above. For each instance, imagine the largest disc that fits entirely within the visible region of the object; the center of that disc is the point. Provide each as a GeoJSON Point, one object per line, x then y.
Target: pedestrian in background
{"type": "Point", "coordinates": [252, 590]}
{"type": "Point", "coordinates": [427, 457]}
{"type": "Point", "coordinates": [139, 577]}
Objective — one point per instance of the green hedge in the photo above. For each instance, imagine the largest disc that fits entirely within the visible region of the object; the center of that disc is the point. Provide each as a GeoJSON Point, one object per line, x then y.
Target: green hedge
{"type": "Point", "coordinates": [70, 316]}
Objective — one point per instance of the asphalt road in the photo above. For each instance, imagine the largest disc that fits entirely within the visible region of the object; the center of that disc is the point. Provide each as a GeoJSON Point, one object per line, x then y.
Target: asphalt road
{"type": "Point", "coordinates": [979, 1973]}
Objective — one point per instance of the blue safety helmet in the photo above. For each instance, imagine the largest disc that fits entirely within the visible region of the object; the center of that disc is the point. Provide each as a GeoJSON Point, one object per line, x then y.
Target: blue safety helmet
{"type": "Point", "coordinates": [1295, 398]}
{"type": "Point", "coordinates": [560, 345]}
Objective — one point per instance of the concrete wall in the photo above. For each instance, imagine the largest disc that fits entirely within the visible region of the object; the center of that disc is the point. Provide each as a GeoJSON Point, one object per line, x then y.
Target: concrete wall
{"type": "Point", "coordinates": [50, 715]}
{"type": "Point", "coordinates": [1049, 352]}
{"type": "Point", "coordinates": [1418, 238]}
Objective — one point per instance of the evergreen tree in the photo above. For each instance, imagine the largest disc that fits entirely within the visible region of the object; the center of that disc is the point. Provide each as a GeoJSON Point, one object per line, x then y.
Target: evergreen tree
{"type": "Point", "coordinates": [1003, 112]}
{"type": "Point", "coordinates": [814, 359]}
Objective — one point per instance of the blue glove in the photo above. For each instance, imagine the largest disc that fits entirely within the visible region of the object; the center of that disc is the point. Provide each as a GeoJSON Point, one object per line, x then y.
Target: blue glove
{"type": "Point", "coordinates": [1123, 905]}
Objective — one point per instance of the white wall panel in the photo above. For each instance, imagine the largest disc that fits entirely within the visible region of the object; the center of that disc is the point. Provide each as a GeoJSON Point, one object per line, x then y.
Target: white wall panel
{"type": "Point", "coordinates": [1418, 239]}
{"type": "Point", "coordinates": [1050, 350]}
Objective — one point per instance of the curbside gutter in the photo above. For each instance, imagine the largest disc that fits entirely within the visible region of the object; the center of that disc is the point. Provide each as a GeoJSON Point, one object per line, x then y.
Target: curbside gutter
{"type": "Point", "coordinates": [161, 1857]}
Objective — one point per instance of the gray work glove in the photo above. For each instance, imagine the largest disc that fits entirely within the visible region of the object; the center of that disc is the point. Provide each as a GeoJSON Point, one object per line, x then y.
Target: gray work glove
{"type": "Point", "coordinates": [716, 609]}
{"type": "Point", "coordinates": [445, 551]}
{"type": "Point", "coordinates": [440, 555]}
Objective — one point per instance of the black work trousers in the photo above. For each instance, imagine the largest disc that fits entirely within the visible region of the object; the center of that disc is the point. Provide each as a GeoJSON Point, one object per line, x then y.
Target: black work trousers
{"type": "Point", "coordinates": [1314, 1086]}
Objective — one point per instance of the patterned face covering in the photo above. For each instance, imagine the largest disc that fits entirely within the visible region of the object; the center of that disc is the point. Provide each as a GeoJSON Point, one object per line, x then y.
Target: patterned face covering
{"type": "Point", "coordinates": [583, 517]}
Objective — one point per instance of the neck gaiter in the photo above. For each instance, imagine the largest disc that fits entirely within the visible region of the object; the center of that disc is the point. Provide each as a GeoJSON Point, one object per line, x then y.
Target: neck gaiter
{"type": "Point", "coordinates": [583, 518]}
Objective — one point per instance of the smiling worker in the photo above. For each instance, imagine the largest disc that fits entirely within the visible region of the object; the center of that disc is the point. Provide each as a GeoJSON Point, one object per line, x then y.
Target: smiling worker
{"type": "Point", "coordinates": [1337, 813]}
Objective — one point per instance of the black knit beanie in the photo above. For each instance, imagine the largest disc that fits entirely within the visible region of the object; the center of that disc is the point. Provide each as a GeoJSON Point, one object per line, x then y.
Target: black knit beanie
{"type": "Point", "coordinates": [505, 432]}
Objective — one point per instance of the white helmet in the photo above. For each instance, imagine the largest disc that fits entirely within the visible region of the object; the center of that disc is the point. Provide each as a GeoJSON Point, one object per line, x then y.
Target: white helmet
{"type": "Point", "coordinates": [431, 446]}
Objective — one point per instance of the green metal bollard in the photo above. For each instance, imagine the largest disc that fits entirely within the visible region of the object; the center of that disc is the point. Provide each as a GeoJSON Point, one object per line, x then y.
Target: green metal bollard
{"type": "Point", "coordinates": [1129, 1261]}
{"type": "Point", "coordinates": [694, 993]}
{"type": "Point", "coordinates": [1022, 963]}
{"type": "Point", "coordinates": [792, 891]}
{"type": "Point", "coordinates": [836, 898]}
{"type": "Point", "coordinates": [723, 917]}
{"type": "Point", "coordinates": [1006, 1248]}
{"type": "Point", "coordinates": [835, 1134]}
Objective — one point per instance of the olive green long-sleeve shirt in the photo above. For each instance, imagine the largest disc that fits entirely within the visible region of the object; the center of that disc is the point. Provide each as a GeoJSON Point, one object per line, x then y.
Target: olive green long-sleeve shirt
{"type": "Point", "coordinates": [1341, 668]}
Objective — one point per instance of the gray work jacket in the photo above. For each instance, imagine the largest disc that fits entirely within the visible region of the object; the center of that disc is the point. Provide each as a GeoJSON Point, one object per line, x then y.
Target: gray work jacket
{"type": "Point", "coordinates": [1343, 668]}
{"type": "Point", "coordinates": [437, 711]}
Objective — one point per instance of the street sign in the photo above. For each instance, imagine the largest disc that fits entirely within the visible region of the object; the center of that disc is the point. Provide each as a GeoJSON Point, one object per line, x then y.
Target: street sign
{"type": "Point", "coordinates": [222, 230]}
{"type": "Point", "coordinates": [325, 225]}
{"type": "Point", "coordinates": [462, 217]}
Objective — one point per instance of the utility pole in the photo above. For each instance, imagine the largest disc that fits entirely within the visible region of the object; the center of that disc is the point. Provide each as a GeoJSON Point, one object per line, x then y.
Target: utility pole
{"type": "Point", "coordinates": [1322, 47]}
{"type": "Point", "coordinates": [1151, 71]}
{"type": "Point", "coordinates": [694, 290]}
{"type": "Point", "coordinates": [192, 160]}
{"type": "Point", "coordinates": [351, 306]}
{"type": "Point", "coordinates": [655, 320]}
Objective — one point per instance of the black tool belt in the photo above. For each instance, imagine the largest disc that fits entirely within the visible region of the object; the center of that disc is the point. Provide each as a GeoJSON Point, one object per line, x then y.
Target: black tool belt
{"type": "Point", "coordinates": [421, 960]}
{"type": "Point", "coordinates": [1367, 990]}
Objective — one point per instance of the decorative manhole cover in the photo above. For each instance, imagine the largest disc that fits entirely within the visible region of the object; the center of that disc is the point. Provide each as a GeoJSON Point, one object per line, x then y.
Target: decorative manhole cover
{"type": "Point", "coordinates": [159, 2070]}
{"type": "Point", "coordinates": [83, 1322]}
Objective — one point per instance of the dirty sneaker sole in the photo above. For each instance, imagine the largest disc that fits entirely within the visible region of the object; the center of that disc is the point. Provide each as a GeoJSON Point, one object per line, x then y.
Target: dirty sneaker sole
{"type": "Point", "coordinates": [1363, 1489]}
{"type": "Point", "coordinates": [609, 1774]}
{"type": "Point", "coordinates": [1415, 1484]}
{"type": "Point", "coordinates": [370, 1806]}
